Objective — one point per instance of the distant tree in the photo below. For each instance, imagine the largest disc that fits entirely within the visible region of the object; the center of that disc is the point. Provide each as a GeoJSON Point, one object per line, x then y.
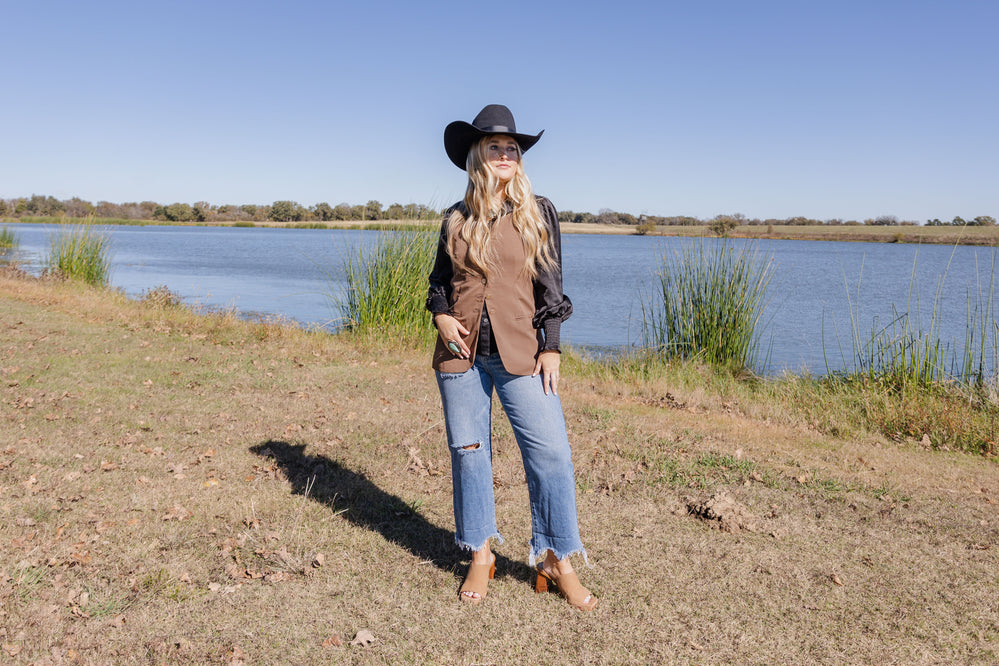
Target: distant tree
{"type": "Point", "coordinates": [147, 208]}
{"type": "Point", "coordinates": [323, 211]}
{"type": "Point", "coordinates": [4, 207]}
{"type": "Point", "coordinates": [882, 221]}
{"type": "Point", "coordinates": [203, 211]}
{"type": "Point", "coordinates": [285, 211]}
{"type": "Point", "coordinates": [373, 210]}
{"type": "Point", "coordinates": [645, 225]}
{"type": "Point", "coordinates": [722, 225]}
{"type": "Point", "coordinates": [607, 216]}
{"type": "Point", "coordinates": [395, 212]}
{"type": "Point", "coordinates": [341, 211]}
{"type": "Point", "coordinates": [44, 206]}
{"type": "Point", "coordinates": [682, 221]}
{"type": "Point", "coordinates": [984, 221]}
{"type": "Point", "coordinates": [77, 207]}
{"type": "Point", "coordinates": [179, 212]}
{"type": "Point", "coordinates": [958, 221]}
{"type": "Point", "coordinates": [935, 222]}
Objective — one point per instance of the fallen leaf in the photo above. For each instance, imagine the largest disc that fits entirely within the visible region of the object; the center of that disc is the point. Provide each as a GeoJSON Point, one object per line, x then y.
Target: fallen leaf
{"type": "Point", "coordinates": [177, 512]}
{"type": "Point", "coordinates": [333, 641]}
{"type": "Point", "coordinates": [118, 621]}
{"type": "Point", "coordinates": [13, 649]}
{"type": "Point", "coordinates": [236, 656]}
{"type": "Point", "coordinates": [836, 580]}
{"type": "Point", "coordinates": [318, 560]}
{"type": "Point", "coordinates": [277, 576]}
{"type": "Point", "coordinates": [363, 638]}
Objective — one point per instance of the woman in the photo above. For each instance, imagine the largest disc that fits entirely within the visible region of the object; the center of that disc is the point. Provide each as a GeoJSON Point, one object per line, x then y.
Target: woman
{"type": "Point", "coordinates": [497, 302]}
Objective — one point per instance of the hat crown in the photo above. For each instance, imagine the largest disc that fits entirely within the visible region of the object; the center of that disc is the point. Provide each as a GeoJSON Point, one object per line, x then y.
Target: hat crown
{"type": "Point", "coordinates": [495, 118]}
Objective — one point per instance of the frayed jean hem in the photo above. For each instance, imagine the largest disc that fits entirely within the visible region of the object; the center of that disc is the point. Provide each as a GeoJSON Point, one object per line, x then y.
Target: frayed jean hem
{"type": "Point", "coordinates": [464, 545]}
{"type": "Point", "coordinates": [538, 555]}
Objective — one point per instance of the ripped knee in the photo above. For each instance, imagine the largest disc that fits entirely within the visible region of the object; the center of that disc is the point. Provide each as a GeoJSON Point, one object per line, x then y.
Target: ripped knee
{"type": "Point", "coordinates": [462, 448]}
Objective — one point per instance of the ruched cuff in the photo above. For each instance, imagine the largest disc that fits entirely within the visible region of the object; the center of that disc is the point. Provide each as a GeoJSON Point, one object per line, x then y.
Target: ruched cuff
{"type": "Point", "coordinates": [437, 301]}
{"type": "Point", "coordinates": [552, 329]}
{"type": "Point", "coordinates": [559, 312]}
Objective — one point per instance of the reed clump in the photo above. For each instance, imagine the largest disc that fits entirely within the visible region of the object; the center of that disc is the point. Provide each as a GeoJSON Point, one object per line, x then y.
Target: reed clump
{"type": "Point", "coordinates": [708, 303]}
{"type": "Point", "coordinates": [387, 285]}
{"type": "Point", "coordinates": [8, 239]}
{"type": "Point", "coordinates": [81, 252]}
{"type": "Point", "coordinates": [904, 353]}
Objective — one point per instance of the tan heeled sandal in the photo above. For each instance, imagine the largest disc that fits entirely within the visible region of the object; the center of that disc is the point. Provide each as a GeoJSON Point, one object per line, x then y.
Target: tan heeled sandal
{"type": "Point", "coordinates": [568, 586]}
{"type": "Point", "coordinates": [476, 581]}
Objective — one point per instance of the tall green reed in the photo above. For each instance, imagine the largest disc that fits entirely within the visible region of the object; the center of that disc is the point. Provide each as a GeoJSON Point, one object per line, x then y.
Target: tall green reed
{"type": "Point", "coordinates": [8, 239]}
{"type": "Point", "coordinates": [81, 252]}
{"type": "Point", "coordinates": [904, 353]}
{"type": "Point", "coordinates": [387, 285]}
{"type": "Point", "coordinates": [708, 303]}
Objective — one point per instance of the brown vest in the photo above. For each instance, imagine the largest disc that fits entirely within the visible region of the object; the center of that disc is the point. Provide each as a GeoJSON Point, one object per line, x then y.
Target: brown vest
{"type": "Point", "coordinates": [508, 295]}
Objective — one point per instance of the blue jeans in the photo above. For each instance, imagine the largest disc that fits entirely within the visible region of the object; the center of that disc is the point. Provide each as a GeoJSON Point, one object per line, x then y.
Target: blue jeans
{"type": "Point", "coordinates": [539, 427]}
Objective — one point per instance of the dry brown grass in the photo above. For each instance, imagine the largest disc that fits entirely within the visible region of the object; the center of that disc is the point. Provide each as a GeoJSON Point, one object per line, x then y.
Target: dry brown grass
{"type": "Point", "coordinates": [183, 489]}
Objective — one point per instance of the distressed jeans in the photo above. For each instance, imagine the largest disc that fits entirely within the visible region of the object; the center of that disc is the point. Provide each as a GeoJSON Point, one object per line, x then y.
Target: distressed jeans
{"type": "Point", "coordinates": [539, 427]}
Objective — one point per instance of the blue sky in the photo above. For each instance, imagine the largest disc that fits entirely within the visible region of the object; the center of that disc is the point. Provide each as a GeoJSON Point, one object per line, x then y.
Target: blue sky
{"type": "Point", "coordinates": [837, 109]}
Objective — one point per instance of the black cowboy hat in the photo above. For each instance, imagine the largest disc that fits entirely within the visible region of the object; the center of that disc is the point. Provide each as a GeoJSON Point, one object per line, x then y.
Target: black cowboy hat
{"type": "Point", "coordinates": [492, 119]}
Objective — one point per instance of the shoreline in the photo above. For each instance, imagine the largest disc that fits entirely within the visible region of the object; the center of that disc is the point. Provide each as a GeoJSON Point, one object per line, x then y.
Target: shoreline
{"type": "Point", "coordinates": [942, 235]}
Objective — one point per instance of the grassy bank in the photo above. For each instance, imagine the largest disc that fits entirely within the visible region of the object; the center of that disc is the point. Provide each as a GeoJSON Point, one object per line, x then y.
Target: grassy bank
{"type": "Point", "coordinates": [200, 489]}
{"type": "Point", "coordinates": [946, 235]}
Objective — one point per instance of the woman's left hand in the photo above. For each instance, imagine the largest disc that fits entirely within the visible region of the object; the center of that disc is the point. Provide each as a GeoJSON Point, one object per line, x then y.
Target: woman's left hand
{"type": "Point", "coordinates": [547, 365]}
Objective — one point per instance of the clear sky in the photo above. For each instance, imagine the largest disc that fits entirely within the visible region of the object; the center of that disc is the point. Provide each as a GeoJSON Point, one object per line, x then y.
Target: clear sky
{"type": "Point", "coordinates": [827, 109]}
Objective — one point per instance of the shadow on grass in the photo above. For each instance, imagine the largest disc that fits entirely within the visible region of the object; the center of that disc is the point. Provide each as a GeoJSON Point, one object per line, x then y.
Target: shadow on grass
{"type": "Point", "coordinates": [366, 505]}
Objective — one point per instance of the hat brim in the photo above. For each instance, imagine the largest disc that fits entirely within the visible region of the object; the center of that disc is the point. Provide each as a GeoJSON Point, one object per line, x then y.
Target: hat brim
{"type": "Point", "coordinates": [459, 137]}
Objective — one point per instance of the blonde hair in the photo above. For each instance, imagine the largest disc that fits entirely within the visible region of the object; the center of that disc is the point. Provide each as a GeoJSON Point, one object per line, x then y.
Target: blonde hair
{"type": "Point", "coordinates": [474, 224]}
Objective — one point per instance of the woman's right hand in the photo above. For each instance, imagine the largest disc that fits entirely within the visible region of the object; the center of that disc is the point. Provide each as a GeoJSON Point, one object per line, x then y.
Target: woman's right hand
{"type": "Point", "coordinates": [451, 330]}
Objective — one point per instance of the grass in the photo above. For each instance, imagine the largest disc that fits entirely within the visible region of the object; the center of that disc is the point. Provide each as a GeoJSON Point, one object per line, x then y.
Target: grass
{"type": "Point", "coordinates": [172, 479]}
{"type": "Point", "coordinates": [387, 286]}
{"type": "Point", "coordinates": [8, 239]}
{"type": "Point", "coordinates": [708, 305]}
{"type": "Point", "coordinates": [82, 252]}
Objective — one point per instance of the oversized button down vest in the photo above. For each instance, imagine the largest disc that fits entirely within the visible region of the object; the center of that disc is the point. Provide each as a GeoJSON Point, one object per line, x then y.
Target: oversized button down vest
{"type": "Point", "coordinates": [508, 294]}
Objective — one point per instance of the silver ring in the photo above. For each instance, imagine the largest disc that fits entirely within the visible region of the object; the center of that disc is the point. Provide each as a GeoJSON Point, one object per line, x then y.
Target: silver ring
{"type": "Point", "coordinates": [453, 346]}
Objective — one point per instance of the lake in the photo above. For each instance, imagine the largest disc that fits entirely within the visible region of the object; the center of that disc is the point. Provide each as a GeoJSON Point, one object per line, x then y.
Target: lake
{"type": "Point", "coordinates": [819, 291]}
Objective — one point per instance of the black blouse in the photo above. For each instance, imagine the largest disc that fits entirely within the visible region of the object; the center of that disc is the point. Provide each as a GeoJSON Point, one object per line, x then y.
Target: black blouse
{"type": "Point", "coordinates": [551, 306]}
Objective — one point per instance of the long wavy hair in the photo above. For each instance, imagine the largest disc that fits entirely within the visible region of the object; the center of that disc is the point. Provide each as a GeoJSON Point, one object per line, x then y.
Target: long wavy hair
{"type": "Point", "coordinates": [474, 224]}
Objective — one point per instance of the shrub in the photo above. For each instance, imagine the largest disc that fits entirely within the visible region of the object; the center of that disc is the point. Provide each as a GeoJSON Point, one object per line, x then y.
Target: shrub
{"type": "Point", "coordinates": [161, 297]}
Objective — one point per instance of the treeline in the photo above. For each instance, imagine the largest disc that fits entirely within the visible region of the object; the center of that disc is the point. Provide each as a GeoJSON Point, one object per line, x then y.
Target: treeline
{"type": "Point", "coordinates": [291, 211]}
{"type": "Point", "coordinates": [738, 219]}
{"type": "Point", "coordinates": [202, 211]}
